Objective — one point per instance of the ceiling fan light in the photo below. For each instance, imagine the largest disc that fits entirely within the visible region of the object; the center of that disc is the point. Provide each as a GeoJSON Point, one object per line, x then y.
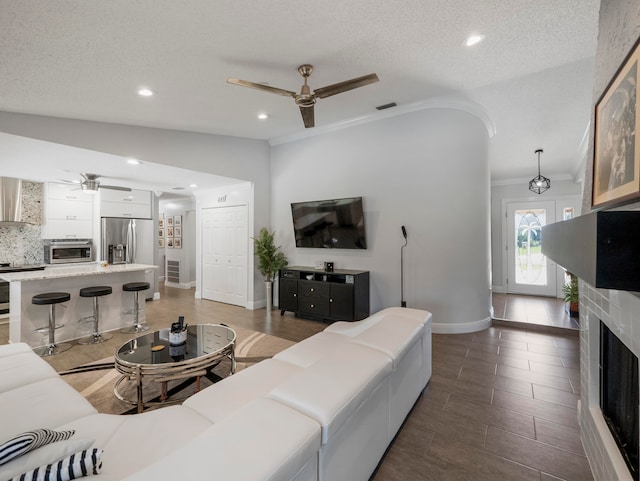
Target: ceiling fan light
{"type": "Point", "coordinates": [89, 187]}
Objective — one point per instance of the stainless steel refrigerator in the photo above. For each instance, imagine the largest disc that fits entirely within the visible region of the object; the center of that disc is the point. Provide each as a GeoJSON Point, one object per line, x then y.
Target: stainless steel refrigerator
{"type": "Point", "coordinates": [135, 238]}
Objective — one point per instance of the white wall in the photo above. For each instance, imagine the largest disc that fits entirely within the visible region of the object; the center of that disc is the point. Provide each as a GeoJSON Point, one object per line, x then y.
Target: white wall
{"type": "Point", "coordinates": [426, 170]}
{"type": "Point", "coordinates": [518, 192]}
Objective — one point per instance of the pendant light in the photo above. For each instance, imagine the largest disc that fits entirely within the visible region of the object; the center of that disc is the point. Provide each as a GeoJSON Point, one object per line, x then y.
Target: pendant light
{"type": "Point", "coordinates": [540, 183]}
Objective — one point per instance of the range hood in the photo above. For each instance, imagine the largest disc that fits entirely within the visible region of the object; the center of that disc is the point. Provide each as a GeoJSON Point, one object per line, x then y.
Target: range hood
{"type": "Point", "coordinates": [601, 248]}
{"type": "Point", "coordinates": [10, 200]}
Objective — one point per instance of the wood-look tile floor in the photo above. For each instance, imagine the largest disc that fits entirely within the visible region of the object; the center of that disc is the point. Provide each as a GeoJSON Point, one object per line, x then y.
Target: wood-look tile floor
{"type": "Point", "coordinates": [532, 310]}
{"type": "Point", "coordinates": [500, 406]}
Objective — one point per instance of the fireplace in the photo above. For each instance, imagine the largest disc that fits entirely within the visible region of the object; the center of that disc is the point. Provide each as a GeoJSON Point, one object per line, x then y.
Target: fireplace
{"type": "Point", "coordinates": [619, 392]}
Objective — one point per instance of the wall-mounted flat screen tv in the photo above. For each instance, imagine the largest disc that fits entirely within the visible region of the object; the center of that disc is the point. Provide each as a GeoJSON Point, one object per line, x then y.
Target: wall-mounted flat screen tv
{"type": "Point", "coordinates": [331, 224]}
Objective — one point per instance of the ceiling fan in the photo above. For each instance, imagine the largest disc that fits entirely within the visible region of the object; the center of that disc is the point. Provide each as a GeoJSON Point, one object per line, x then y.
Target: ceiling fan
{"type": "Point", "coordinates": [90, 184]}
{"type": "Point", "coordinates": [306, 99]}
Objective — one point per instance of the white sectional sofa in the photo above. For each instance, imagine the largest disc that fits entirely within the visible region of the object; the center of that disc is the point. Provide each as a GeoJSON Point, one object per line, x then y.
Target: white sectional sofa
{"type": "Point", "coordinates": [324, 409]}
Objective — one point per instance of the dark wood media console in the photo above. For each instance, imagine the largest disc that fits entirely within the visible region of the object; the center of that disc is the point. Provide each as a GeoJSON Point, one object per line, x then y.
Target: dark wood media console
{"type": "Point", "coordinates": [341, 295]}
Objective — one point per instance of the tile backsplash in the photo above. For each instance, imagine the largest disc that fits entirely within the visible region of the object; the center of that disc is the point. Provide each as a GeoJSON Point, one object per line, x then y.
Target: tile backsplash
{"type": "Point", "coordinates": [22, 243]}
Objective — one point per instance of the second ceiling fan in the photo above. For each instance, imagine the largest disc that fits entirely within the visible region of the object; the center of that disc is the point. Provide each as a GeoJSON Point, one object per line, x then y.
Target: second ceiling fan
{"type": "Point", "coordinates": [306, 99]}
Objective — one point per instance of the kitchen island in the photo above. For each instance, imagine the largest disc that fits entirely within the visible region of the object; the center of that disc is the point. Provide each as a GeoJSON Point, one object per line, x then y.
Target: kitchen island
{"type": "Point", "coordinates": [116, 309]}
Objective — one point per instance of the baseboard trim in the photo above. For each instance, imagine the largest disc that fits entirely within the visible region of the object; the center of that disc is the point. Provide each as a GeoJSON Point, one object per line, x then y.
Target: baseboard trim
{"type": "Point", "coordinates": [179, 285]}
{"type": "Point", "coordinates": [499, 289]}
{"type": "Point", "coordinates": [461, 327]}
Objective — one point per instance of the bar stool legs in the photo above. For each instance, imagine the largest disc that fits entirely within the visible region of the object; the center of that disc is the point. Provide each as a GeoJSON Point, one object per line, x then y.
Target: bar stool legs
{"type": "Point", "coordinates": [95, 292]}
{"type": "Point", "coordinates": [51, 299]}
{"type": "Point", "coordinates": [135, 287]}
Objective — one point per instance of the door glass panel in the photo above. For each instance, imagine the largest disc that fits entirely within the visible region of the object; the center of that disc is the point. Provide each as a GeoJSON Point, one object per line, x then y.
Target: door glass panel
{"type": "Point", "coordinates": [568, 213]}
{"type": "Point", "coordinates": [530, 264]}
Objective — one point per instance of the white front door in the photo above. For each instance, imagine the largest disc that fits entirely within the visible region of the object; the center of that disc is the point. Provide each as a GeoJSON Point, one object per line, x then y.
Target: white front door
{"type": "Point", "coordinates": [224, 254]}
{"type": "Point", "coordinates": [529, 272]}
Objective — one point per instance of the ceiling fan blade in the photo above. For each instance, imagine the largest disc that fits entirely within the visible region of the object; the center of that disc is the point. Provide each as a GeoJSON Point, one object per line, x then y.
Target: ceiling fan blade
{"type": "Point", "coordinates": [340, 87]}
{"type": "Point", "coordinates": [308, 116]}
{"type": "Point", "coordinates": [115, 187]}
{"type": "Point", "coordinates": [264, 88]}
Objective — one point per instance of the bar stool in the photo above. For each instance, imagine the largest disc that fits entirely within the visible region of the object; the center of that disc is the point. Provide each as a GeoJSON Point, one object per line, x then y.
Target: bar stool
{"type": "Point", "coordinates": [135, 287]}
{"type": "Point", "coordinates": [51, 299]}
{"type": "Point", "coordinates": [95, 292]}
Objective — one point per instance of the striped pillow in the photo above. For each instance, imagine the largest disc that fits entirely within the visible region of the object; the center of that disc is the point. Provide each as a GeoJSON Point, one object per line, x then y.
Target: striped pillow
{"type": "Point", "coordinates": [83, 463]}
{"type": "Point", "coordinates": [29, 441]}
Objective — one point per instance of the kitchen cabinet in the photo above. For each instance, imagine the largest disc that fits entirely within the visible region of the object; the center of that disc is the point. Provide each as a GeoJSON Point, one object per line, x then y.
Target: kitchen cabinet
{"type": "Point", "coordinates": [135, 204]}
{"type": "Point", "coordinates": [68, 212]}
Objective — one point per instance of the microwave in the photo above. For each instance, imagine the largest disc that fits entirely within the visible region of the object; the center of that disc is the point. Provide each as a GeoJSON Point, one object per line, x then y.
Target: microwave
{"type": "Point", "coordinates": [67, 251]}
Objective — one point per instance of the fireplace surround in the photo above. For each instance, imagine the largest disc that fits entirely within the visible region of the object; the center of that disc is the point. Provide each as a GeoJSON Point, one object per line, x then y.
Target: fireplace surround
{"type": "Point", "coordinates": [605, 264]}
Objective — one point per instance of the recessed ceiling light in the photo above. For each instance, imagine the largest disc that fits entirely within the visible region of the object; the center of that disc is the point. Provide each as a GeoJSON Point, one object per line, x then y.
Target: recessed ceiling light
{"type": "Point", "coordinates": [263, 116]}
{"type": "Point", "coordinates": [474, 39]}
{"type": "Point", "coordinates": [145, 92]}
{"type": "Point", "coordinates": [133, 161]}
{"type": "Point", "coordinates": [193, 186]}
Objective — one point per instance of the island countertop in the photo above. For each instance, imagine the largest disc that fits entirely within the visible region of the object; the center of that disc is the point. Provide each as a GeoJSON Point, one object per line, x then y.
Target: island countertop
{"type": "Point", "coordinates": [116, 309]}
{"type": "Point", "coordinates": [75, 270]}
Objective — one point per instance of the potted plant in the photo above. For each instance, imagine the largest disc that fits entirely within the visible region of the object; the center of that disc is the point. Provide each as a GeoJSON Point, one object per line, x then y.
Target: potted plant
{"type": "Point", "coordinates": [571, 295]}
{"type": "Point", "coordinates": [270, 260]}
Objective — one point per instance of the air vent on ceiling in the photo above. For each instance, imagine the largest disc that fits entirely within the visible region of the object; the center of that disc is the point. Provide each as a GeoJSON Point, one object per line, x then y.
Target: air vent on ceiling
{"type": "Point", "coordinates": [386, 106]}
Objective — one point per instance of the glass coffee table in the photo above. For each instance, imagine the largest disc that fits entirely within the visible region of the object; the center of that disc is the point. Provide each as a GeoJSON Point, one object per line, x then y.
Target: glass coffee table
{"type": "Point", "coordinates": [152, 358]}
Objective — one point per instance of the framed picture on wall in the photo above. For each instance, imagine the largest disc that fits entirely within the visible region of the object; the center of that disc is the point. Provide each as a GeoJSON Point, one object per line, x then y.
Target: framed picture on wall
{"type": "Point", "coordinates": [161, 233]}
{"type": "Point", "coordinates": [161, 221]}
{"type": "Point", "coordinates": [177, 231]}
{"type": "Point", "coordinates": [169, 231]}
{"type": "Point", "coordinates": [170, 242]}
{"type": "Point", "coordinates": [177, 243]}
{"type": "Point", "coordinates": [169, 221]}
{"type": "Point", "coordinates": [160, 242]}
{"type": "Point", "coordinates": [177, 220]}
{"type": "Point", "coordinates": [616, 161]}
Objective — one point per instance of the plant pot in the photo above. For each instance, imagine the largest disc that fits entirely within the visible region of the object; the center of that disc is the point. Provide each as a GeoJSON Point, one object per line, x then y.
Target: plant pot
{"type": "Point", "coordinates": [574, 308]}
{"type": "Point", "coordinates": [267, 289]}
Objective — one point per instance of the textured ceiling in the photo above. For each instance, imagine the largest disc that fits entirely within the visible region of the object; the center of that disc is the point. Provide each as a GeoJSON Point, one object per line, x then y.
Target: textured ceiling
{"type": "Point", "coordinates": [84, 59]}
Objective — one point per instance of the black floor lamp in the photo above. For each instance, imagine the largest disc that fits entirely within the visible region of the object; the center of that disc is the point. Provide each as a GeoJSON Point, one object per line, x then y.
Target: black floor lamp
{"type": "Point", "coordinates": [403, 303]}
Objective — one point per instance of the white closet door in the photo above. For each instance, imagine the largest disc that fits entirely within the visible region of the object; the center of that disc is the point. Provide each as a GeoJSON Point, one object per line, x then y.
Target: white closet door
{"type": "Point", "coordinates": [224, 254]}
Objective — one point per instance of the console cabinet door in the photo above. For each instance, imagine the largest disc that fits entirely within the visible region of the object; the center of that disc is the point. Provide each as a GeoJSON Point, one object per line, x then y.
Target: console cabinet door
{"type": "Point", "coordinates": [288, 294]}
{"type": "Point", "coordinates": [342, 302]}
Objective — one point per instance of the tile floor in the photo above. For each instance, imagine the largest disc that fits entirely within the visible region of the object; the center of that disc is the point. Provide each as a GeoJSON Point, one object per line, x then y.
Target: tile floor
{"type": "Point", "coordinates": [541, 311]}
{"type": "Point", "coordinates": [500, 406]}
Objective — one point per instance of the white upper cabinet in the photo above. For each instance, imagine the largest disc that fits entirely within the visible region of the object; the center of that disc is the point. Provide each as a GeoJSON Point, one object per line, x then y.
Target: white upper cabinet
{"type": "Point", "coordinates": [68, 212]}
{"type": "Point", "coordinates": [135, 204]}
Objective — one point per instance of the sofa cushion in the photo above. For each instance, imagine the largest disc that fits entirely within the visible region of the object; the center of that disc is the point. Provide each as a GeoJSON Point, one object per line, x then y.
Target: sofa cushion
{"type": "Point", "coordinates": [144, 438]}
{"type": "Point", "coordinates": [100, 427]}
{"type": "Point", "coordinates": [313, 348]}
{"type": "Point", "coordinates": [25, 442]}
{"type": "Point", "coordinates": [43, 404]}
{"type": "Point", "coordinates": [330, 390]}
{"type": "Point", "coordinates": [353, 329]}
{"type": "Point", "coordinates": [43, 456]}
{"type": "Point", "coordinates": [14, 348]}
{"type": "Point", "coordinates": [393, 336]}
{"type": "Point", "coordinates": [261, 441]}
{"type": "Point", "coordinates": [23, 368]}
{"type": "Point", "coordinates": [228, 395]}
